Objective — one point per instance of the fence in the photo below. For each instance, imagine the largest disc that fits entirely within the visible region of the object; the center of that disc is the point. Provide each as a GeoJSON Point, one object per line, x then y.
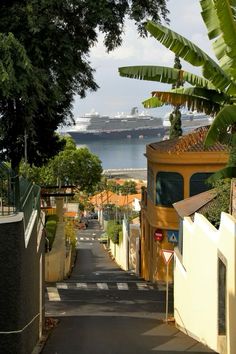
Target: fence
{"type": "Point", "coordinates": [8, 202]}
{"type": "Point", "coordinates": [17, 194]}
{"type": "Point", "coordinates": [29, 199]}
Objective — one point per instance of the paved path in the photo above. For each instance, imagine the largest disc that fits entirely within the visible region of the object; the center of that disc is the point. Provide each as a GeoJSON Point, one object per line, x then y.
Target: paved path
{"type": "Point", "coordinates": [104, 310]}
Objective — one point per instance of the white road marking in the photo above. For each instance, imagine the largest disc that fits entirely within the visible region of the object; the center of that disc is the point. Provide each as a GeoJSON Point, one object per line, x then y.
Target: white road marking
{"type": "Point", "coordinates": [62, 286]}
{"type": "Point", "coordinates": [53, 294]}
{"type": "Point", "coordinates": [83, 286]}
{"type": "Point", "coordinates": [102, 286]}
{"type": "Point", "coordinates": [142, 286]}
{"type": "Point", "coordinates": [122, 286]}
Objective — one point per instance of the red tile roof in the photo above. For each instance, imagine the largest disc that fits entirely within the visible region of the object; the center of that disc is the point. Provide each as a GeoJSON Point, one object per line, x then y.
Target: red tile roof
{"type": "Point", "coordinates": [192, 142]}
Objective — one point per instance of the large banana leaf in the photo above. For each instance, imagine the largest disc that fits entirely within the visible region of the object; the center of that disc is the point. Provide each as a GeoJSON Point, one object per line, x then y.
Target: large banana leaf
{"type": "Point", "coordinates": [210, 18]}
{"type": "Point", "coordinates": [219, 18]}
{"type": "Point", "coordinates": [223, 121]}
{"type": "Point", "coordinates": [227, 25]}
{"type": "Point", "coordinates": [163, 74]}
{"type": "Point", "coordinates": [212, 95]}
{"type": "Point", "coordinates": [192, 102]}
{"type": "Point", "coordinates": [152, 102]}
{"type": "Point", "coordinates": [151, 73]}
{"type": "Point", "coordinates": [185, 49]}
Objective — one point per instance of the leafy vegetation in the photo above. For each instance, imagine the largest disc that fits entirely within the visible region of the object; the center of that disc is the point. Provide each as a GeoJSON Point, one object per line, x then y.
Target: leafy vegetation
{"type": "Point", "coordinates": [213, 93]}
{"type": "Point", "coordinates": [45, 48]}
{"type": "Point", "coordinates": [70, 234]}
{"type": "Point", "coordinates": [114, 231]}
{"type": "Point", "coordinates": [72, 166]}
{"type": "Point", "coordinates": [220, 204]}
{"type": "Point", "coordinates": [51, 227]}
{"type": "Point", "coordinates": [128, 187]}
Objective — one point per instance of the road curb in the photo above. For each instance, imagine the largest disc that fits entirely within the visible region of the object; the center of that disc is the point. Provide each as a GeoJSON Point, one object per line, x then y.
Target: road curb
{"type": "Point", "coordinates": [50, 325]}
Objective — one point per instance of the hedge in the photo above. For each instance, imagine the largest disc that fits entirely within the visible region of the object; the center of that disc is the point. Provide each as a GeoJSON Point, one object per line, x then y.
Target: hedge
{"type": "Point", "coordinates": [51, 226]}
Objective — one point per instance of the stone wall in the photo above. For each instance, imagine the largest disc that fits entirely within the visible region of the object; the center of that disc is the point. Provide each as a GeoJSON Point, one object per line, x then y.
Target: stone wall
{"type": "Point", "coordinates": [21, 291]}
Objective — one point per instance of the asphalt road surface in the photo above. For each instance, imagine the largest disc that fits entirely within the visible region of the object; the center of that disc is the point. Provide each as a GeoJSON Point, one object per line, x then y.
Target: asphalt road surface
{"type": "Point", "coordinates": [104, 310]}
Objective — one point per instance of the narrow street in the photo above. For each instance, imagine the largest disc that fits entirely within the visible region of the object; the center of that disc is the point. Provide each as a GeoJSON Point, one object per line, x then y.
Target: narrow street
{"type": "Point", "coordinates": [104, 310]}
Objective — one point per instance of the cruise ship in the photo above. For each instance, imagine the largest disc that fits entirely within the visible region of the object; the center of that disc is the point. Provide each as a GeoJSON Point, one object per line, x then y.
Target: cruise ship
{"type": "Point", "coordinates": [134, 125]}
{"type": "Point", "coordinates": [190, 120]}
{"type": "Point", "coordinates": [93, 126]}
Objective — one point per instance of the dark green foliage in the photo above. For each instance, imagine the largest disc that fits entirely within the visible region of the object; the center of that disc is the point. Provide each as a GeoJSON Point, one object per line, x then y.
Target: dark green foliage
{"type": "Point", "coordinates": [51, 227]}
{"type": "Point", "coordinates": [175, 121]}
{"type": "Point", "coordinates": [114, 231]}
{"type": "Point", "coordinates": [128, 187]}
{"type": "Point", "coordinates": [72, 166]}
{"type": "Point", "coordinates": [44, 62]}
{"type": "Point", "coordinates": [221, 203]}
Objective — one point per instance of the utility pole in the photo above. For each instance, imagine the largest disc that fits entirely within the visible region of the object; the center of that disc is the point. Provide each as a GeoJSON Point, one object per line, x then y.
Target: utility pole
{"type": "Point", "coordinates": [25, 143]}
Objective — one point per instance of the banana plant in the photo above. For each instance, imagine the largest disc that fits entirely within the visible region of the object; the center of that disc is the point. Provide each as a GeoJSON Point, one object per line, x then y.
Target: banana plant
{"type": "Point", "coordinates": [213, 93]}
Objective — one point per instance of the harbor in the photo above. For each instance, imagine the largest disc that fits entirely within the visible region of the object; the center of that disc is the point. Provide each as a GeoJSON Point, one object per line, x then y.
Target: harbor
{"type": "Point", "coordinates": [127, 173]}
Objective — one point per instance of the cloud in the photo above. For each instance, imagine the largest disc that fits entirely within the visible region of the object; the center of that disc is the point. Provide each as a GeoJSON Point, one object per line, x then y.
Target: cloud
{"type": "Point", "coordinates": [120, 94]}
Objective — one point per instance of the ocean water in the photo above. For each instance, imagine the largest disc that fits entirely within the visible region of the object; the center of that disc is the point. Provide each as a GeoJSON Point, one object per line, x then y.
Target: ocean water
{"type": "Point", "coordinates": [120, 153]}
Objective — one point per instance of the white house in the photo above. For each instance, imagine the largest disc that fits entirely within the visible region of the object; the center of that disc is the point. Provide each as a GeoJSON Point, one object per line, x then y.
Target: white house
{"type": "Point", "coordinates": [205, 277]}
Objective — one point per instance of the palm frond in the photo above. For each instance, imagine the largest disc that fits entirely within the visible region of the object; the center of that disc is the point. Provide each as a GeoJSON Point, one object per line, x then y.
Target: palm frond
{"type": "Point", "coordinates": [185, 49]}
{"type": "Point", "coordinates": [221, 124]}
{"type": "Point", "coordinates": [190, 101]}
{"type": "Point", "coordinates": [227, 25]}
{"type": "Point", "coordinates": [213, 95]}
{"type": "Point", "coordinates": [152, 102]}
{"type": "Point", "coordinates": [151, 73]}
{"type": "Point", "coordinates": [210, 18]}
{"type": "Point", "coordinates": [163, 74]}
{"type": "Point", "coordinates": [196, 80]}
{"type": "Point", "coordinates": [219, 17]}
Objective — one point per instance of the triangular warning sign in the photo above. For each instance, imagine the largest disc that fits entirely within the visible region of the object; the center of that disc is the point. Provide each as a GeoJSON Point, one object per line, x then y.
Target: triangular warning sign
{"type": "Point", "coordinates": [167, 255]}
{"type": "Point", "coordinates": [173, 238]}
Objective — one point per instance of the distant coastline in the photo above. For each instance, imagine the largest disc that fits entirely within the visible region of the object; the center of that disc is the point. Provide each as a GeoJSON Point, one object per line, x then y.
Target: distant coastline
{"type": "Point", "coordinates": [132, 173]}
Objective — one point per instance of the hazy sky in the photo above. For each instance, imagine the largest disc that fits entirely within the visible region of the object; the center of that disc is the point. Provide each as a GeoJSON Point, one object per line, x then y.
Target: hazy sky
{"type": "Point", "coordinates": [117, 94]}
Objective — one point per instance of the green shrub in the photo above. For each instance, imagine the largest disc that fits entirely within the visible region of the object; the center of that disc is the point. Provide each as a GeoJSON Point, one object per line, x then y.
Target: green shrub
{"type": "Point", "coordinates": [221, 203]}
{"type": "Point", "coordinates": [114, 231]}
{"type": "Point", "coordinates": [70, 233]}
{"type": "Point", "coordinates": [50, 227]}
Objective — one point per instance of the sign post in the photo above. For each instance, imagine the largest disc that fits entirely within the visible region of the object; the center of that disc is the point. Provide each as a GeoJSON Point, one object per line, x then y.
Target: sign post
{"type": "Point", "coordinates": [167, 255]}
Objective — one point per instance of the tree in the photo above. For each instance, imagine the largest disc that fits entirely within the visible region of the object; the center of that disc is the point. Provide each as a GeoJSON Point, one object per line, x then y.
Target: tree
{"type": "Point", "coordinates": [55, 38]}
{"type": "Point", "coordinates": [72, 166]}
{"type": "Point", "coordinates": [214, 92]}
{"type": "Point", "coordinates": [128, 187]}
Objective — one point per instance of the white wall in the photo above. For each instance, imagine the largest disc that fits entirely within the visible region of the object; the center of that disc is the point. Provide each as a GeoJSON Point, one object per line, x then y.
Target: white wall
{"type": "Point", "coordinates": [55, 259]}
{"type": "Point", "coordinates": [134, 239]}
{"type": "Point", "coordinates": [196, 280]}
{"type": "Point", "coordinates": [121, 252]}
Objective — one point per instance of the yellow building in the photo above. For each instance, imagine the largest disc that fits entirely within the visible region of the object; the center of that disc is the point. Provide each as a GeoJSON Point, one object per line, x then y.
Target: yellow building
{"type": "Point", "coordinates": [177, 169]}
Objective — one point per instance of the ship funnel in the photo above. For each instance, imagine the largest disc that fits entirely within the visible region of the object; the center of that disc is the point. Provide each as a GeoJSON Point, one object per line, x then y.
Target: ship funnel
{"type": "Point", "coordinates": [134, 111]}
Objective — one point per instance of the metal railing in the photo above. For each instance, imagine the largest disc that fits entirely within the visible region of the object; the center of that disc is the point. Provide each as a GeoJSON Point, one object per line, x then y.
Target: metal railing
{"type": "Point", "coordinates": [29, 199]}
{"type": "Point", "coordinates": [17, 194]}
{"type": "Point", "coordinates": [8, 203]}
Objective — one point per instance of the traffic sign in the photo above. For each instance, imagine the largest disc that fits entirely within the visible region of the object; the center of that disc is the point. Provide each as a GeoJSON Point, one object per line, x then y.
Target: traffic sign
{"type": "Point", "coordinates": [173, 236]}
{"type": "Point", "coordinates": [167, 255]}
